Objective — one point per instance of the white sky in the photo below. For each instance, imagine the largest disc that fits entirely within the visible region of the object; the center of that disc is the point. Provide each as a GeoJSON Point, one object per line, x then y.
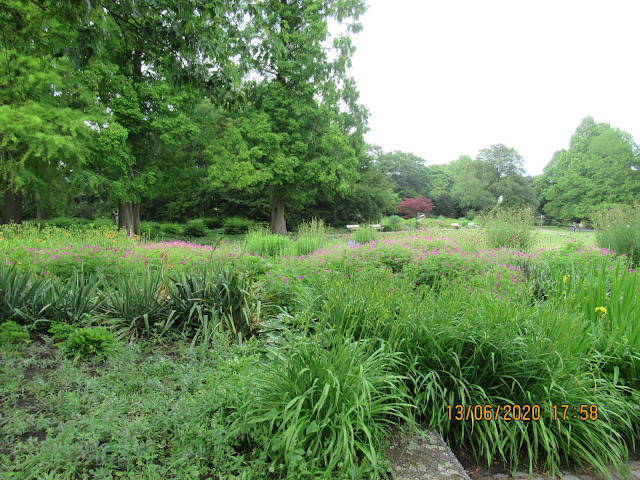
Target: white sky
{"type": "Point", "coordinates": [444, 78]}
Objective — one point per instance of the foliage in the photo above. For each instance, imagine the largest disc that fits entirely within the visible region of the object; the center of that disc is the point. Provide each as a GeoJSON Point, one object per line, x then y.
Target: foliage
{"type": "Point", "coordinates": [303, 130]}
{"type": "Point", "coordinates": [23, 296]}
{"type": "Point", "coordinates": [195, 228]}
{"type": "Point", "coordinates": [510, 228]}
{"type": "Point", "coordinates": [364, 235]}
{"type": "Point", "coordinates": [323, 409]}
{"type": "Point", "coordinates": [267, 244]}
{"type": "Point", "coordinates": [237, 226]}
{"type": "Point", "coordinates": [89, 343]}
{"type": "Point", "coordinates": [75, 419]}
{"type": "Point", "coordinates": [13, 333]}
{"type": "Point", "coordinates": [456, 322]}
{"type": "Point", "coordinates": [496, 171]}
{"type": "Point", "coordinates": [600, 169]}
{"type": "Point", "coordinates": [61, 330]}
{"type": "Point", "coordinates": [618, 228]}
{"type": "Point", "coordinates": [311, 237]}
{"type": "Point", "coordinates": [411, 207]}
{"type": "Point", "coordinates": [408, 173]}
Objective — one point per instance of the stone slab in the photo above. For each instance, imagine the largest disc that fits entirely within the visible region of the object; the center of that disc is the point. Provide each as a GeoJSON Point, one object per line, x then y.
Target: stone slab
{"type": "Point", "coordinates": [422, 456]}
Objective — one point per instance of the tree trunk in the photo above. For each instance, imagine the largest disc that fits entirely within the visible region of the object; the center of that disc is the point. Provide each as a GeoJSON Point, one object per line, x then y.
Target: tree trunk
{"type": "Point", "coordinates": [129, 217]}
{"type": "Point", "coordinates": [12, 207]}
{"type": "Point", "coordinates": [41, 213]}
{"type": "Point", "coordinates": [278, 224]}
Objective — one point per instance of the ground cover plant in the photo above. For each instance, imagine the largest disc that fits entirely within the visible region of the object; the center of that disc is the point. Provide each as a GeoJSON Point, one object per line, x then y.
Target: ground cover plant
{"type": "Point", "coordinates": [242, 365]}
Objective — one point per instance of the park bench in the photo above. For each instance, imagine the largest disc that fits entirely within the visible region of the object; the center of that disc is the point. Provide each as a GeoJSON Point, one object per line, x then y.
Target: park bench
{"type": "Point", "coordinates": [455, 225]}
{"type": "Point", "coordinates": [472, 225]}
{"type": "Point", "coordinates": [376, 226]}
{"type": "Point", "coordinates": [353, 227]}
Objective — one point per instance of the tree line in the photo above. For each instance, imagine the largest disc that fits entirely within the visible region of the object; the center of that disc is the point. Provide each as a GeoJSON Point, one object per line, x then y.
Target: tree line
{"type": "Point", "coordinates": [178, 109]}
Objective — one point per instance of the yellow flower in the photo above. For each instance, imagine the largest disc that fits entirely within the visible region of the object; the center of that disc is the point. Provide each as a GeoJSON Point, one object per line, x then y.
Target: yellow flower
{"type": "Point", "coordinates": [601, 309]}
{"type": "Point", "coordinates": [564, 279]}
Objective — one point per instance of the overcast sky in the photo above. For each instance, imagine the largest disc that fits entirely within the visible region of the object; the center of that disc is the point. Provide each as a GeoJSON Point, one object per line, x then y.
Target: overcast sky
{"type": "Point", "coordinates": [444, 78]}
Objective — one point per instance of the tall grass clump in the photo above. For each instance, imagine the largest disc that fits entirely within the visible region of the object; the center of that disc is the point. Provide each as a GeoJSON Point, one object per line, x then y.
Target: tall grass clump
{"type": "Point", "coordinates": [311, 237]}
{"type": "Point", "coordinates": [321, 411]}
{"type": "Point", "coordinates": [510, 228]}
{"type": "Point", "coordinates": [471, 350]}
{"type": "Point", "coordinates": [266, 244]}
{"type": "Point", "coordinates": [364, 235]}
{"type": "Point", "coordinates": [618, 228]}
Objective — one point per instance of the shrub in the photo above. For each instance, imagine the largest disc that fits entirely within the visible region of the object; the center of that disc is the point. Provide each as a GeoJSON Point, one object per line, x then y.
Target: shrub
{"type": "Point", "coordinates": [267, 244]}
{"type": "Point", "coordinates": [89, 343]}
{"type": "Point", "coordinates": [213, 222]}
{"type": "Point", "coordinates": [307, 245]}
{"type": "Point", "coordinates": [324, 410]}
{"type": "Point", "coordinates": [195, 228]}
{"type": "Point", "coordinates": [237, 226]}
{"type": "Point", "coordinates": [509, 228]}
{"type": "Point", "coordinates": [393, 223]}
{"type": "Point", "coordinates": [152, 230]}
{"type": "Point", "coordinates": [311, 237]}
{"type": "Point", "coordinates": [61, 331]}
{"type": "Point", "coordinates": [172, 229]}
{"type": "Point", "coordinates": [364, 235]}
{"type": "Point", "coordinates": [618, 228]}
{"type": "Point", "coordinates": [12, 333]}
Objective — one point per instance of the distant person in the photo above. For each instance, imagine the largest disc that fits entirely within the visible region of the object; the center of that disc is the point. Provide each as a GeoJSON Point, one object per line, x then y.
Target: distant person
{"type": "Point", "coordinates": [581, 226]}
{"type": "Point", "coordinates": [573, 227]}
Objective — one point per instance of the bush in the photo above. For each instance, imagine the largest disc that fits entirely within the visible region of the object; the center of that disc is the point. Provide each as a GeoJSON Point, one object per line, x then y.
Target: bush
{"type": "Point", "coordinates": [393, 223]}
{"type": "Point", "coordinates": [364, 235]}
{"type": "Point", "coordinates": [307, 245]}
{"type": "Point", "coordinates": [267, 244]}
{"type": "Point", "coordinates": [11, 333]}
{"type": "Point", "coordinates": [152, 230]}
{"type": "Point", "coordinates": [509, 228]}
{"type": "Point", "coordinates": [213, 222]}
{"type": "Point", "coordinates": [237, 226]}
{"type": "Point", "coordinates": [61, 330]}
{"type": "Point", "coordinates": [195, 228]}
{"type": "Point", "coordinates": [172, 229]}
{"type": "Point", "coordinates": [325, 410]}
{"type": "Point", "coordinates": [311, 237]}
{"type": "Point", "coordinates": [89, 343]}
{"type": "Point", "coordinates": [618, 228]}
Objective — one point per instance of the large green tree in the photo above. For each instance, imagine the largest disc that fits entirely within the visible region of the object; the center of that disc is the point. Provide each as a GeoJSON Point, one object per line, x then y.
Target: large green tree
{"type": "Point", "coordinates": [46, 110]}
{"type": "Point", "coordinates": [301, 130]}
{"type": "Point", "coordinates": [147, 62]}
{"type": "Point", "coordinates": [408, 173]}
{"type": "Point", "coordinates": [497, 171]}
{"type": "Point", "coordinates": [599, 169]}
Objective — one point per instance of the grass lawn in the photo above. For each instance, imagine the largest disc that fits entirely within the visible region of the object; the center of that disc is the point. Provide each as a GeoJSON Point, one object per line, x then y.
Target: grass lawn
{"type": "Point", "coordinates": [121, 359]}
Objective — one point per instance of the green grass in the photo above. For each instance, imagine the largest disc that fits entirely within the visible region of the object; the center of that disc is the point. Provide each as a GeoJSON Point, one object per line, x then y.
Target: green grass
{"type": "Point", "coordinates": [557, 237]}
{"type": "Point", "coordinates": [234, 365]}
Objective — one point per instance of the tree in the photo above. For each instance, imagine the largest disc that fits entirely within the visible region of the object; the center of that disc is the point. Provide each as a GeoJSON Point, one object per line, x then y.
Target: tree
{"type": "Point", "coordinates": [497, 171]}
{"type": "Point", "coordinates": [45, 108]}
{"type": "Point", "coordinates": [599, 169]}
{"type": "Point", "coordinates": [411, 207]}
{"type": "Point", "coordinates": [301, 130]}
{"type": "Point", "coordinates": [408, 172]}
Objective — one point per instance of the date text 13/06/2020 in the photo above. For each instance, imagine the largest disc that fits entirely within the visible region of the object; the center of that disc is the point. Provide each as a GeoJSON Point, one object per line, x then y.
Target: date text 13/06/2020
{"type": "Point", "coordinates": [520, 412]}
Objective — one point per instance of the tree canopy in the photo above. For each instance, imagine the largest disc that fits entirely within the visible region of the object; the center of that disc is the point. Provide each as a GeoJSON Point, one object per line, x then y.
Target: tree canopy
{"type": "Point", "coordinates": [599, 169]}
{"type": "Point", "coordinates": [301, 130]}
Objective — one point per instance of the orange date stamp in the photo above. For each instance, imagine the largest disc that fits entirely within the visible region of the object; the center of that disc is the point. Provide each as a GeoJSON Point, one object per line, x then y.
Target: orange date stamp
{"type": "Point", "coordinates": [506, 413]}
{"type": "Point", "coordinates": [524, 413]}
